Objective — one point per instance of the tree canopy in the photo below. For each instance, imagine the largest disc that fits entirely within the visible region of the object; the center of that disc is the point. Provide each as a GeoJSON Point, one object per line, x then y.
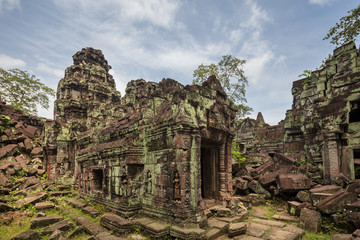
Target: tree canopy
{"type": "Point", "coordinates": [347, 29]}
{"type": "Point", "coordinates": [23, 91]}
{"type": "Point", "coordinates": [232, 78]}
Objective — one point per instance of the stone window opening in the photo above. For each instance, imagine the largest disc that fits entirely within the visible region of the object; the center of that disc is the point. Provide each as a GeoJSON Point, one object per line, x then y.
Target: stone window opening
{"type": "Point", "coordinates": [209, 171]}
{"type": "Point", "coordinates": [98, 175]}
{"type": "Point", "coordinates": [357, 163]}
{"type": "Point", "coordinates": [354, 115]}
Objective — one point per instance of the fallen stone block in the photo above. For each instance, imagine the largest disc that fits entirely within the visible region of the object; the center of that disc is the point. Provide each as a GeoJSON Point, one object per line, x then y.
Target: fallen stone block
{"type": "Point", "coordinates": [90, 227]}
{"type": "Point", "coordinates": [8, 150]}
{"type": "Point", "coordinates": [63, 225]}
{"type": "Point", "coordinates": [354, 186]}
{"type": "Point", "coordinates": [236, 229]}
{"type": "Point", "coordinates": [293, 208]}
{"type": "Point", "coordinates": [32, 199]}
{"type": "Point", "coordinates": [29, 145]}
{"type": "Point", "coordinates": [356, 234]}
{"type": "Point", "coordinates": [354, 217]}
{"type": "Point", "coordinates": [336, 202]}
{"type": "Point", "coordinates": [240, 183]}
{"type": "Point", "coordinates": [76, 203]}
{"type": "Point", "coordinates": [268, 178]}
{"type": "Point", "coordinates": [355, 206]}
{"type": "Point", "coordinates": [303, 196]}
{"type": "Point", "coordinates": [36, 151]}
{"type": "Point", "coordinates": [27, 235]}
{"type": "Point", "coordinates": [318, 197]}
{"type": "Point", "coordinates": [220, 211]}
{"type": "Point", "coordinates": [215, 223]}
{"type": "Point", "coordinates": [91, 211]}
{"type": "Point", "coordinates": [44, 205]}
{"type": "Point", "coordinates": [30, 181]}
{"type": "Point", "coordinates": [57, 235]}
{"type": "Point", "coordinates": [257, 188]}
{"type": "Point", "coordinates": [116, 223]}
{"type": "Point", "coordinates": [45, 221]}
{"type": "Point", "coordinates": [325, 189]}
{"type": "Point", "coordinates": [291, 182]}
{"type": "Point", "coordinates": [310, 220]}
{"type": "Point", "coordinates": [76, 231]}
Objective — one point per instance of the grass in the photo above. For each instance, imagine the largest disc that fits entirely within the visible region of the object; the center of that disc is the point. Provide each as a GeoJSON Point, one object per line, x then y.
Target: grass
{"type": "Point", "coordinates": [13, 229]}
{"type": "Point", "coordinates": [315, 236]}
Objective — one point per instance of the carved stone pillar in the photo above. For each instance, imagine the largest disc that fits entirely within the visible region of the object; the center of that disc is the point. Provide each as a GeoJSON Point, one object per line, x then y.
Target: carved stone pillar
{"type": "Point", "coordinates": [222, 173]}
{"type": "Point", "coordinates": [331, 157]}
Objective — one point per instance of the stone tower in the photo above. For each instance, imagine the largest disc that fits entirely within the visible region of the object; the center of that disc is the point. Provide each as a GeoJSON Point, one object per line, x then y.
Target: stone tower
{"type": "Point", "coordinates": [84, 100]}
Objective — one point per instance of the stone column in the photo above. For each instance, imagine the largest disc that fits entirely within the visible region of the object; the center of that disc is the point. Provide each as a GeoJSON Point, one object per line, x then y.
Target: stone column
{"type": "Point", "coordinates": [331, 157]}
{"type": "Point", "coordinates": [222, 173]}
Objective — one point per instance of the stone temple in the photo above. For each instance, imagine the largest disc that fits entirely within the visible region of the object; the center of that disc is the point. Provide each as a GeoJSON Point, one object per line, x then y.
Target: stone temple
{"type": "Point", "coordinates": [323, 127]}
{"type": "Point", "coordinates": [163, 149]}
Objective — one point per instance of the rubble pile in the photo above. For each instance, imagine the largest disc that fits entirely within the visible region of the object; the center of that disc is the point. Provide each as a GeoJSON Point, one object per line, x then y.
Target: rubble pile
{"type": "Point", "coordinates": [21, 152]}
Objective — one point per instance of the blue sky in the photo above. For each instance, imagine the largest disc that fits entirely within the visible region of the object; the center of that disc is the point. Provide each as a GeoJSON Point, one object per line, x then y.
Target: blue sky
{"type": "Point", "coordinates": [153, 39]}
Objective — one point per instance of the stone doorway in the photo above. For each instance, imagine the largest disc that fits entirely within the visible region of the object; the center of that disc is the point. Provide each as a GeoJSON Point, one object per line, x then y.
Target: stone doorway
{"type": "Point", "coordinates": [97, 175]}
{"type": "Point", "coordinates": [357, 163]}
{"type": "Point", "coordinates": [209, 171]}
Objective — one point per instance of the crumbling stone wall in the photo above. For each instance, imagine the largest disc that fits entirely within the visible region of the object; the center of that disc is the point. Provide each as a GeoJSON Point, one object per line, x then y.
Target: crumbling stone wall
{"type": "Point", "coordinates": [85, 98]}
{"type": "Point", "coordinates": [322, 128]}
{"type": "Point", "coordinates": [160, 149]}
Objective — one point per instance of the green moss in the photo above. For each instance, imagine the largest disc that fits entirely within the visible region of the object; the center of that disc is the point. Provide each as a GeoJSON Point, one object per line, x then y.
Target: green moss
{"type": "Point", "coordinates": [315, 236]}
{"type": "Point", "coordinates": [7, 232]}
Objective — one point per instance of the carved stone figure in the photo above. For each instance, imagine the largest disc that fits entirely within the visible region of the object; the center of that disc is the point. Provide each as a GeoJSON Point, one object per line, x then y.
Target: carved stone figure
{"type": "Point", "coordinates": [177, 189]}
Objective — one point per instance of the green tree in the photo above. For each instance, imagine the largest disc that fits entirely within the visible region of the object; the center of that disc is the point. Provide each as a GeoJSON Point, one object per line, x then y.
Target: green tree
{"type": "Point", "coordinates": [347, 29]}
{"type": "Point", "coordinates": [231, 76]}
{"type": "Point", "coordinates": [23, 91]}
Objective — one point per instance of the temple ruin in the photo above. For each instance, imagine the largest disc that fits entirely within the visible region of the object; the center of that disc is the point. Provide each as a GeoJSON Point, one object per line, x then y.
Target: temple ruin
{"type": "Point", "coordinates": [159, 159]}
{"type": "Point", "coordinates": [163, 149]}
{"type": "Point", "coordinates": [323, 127]}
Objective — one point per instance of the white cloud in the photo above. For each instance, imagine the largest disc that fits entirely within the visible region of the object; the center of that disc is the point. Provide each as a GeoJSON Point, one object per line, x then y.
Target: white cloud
{"type": "Point", "coordinates": [8, 62]}
{"type": "Point", "coordinates": [158, 12]}
{"type": "Point", "coordinates": [255, 67]}
{"type": "Point", "coordinates": [320, 2]}
{"type": "Point", "coordinates": [9, 5]}
{"type": "Point", "coordinates": [258, 16]}
{"type": "Point", "coordinates": [59, 73]}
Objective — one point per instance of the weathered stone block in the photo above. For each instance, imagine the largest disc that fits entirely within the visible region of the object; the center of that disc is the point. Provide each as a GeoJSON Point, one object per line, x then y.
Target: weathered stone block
{"type": "Point", "coordinates": [45, 221]}
{"type": "Point", "coordinates": [44, 205]}
{"type": "Point", "coordinates": [303, 196]}
{"type": "Point", "coordinates": [294, 208]}
{"type": "Point", "coordinates": [27, 235]}
{"type": "Point", "coordinates": [32, 199]}
{"type": "Point", "coordinates": [240, 183]}
{"type": "Point", "coordinates": [310, 220]}
{"type": "Point", "coordinates": [236, 229]}
{"type": "Point", "coordinates": [292, 182]}
{"type": "Point", "coordinates": [336, 202]}
{"type": "Point", "coordinates": [257, 188]}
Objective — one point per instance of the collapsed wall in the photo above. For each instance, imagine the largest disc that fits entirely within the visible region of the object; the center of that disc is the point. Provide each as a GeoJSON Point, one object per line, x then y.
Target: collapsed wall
{"type": "Point", "coordinates": [323, 127]}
